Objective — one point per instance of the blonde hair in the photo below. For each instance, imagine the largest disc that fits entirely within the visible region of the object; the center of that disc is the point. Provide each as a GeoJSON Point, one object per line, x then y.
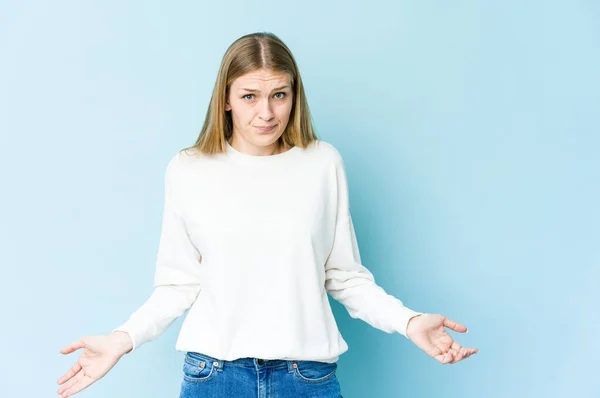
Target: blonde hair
{"type": "Point", "coordinates": [260, 50]}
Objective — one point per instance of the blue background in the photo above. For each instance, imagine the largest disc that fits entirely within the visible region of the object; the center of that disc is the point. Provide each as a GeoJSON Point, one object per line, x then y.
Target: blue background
{"type": "Point", "coordinates": [470, 134]}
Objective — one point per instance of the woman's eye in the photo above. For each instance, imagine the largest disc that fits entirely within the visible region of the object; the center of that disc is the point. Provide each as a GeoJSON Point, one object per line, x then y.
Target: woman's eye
{"type": "Point", "coordinates": [251, 95]}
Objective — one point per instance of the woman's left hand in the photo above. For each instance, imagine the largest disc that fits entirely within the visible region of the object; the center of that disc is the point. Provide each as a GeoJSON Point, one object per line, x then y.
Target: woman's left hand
{"type": "Point", "coordinates": [428, 333]}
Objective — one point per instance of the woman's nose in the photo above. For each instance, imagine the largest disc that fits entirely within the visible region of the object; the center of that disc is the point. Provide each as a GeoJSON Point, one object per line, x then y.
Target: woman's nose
{"type": "Point", "coordinates": [266, 113]}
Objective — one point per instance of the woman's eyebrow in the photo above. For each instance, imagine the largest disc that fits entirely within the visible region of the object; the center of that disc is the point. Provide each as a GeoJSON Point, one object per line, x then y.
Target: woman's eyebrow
{"type": "Point", "coordinates": [276, 88]}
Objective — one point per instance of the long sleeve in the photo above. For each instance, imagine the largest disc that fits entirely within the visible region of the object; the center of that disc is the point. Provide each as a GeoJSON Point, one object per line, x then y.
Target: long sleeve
{"type": "Point", "coordinates": [351, 283]}
{"type": "Point", "coordinates": [176, 279]}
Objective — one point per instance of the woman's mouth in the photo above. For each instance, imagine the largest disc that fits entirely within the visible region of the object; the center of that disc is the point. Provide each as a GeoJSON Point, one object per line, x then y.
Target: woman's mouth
{"type": "Point", "coordinates": [265, 128]}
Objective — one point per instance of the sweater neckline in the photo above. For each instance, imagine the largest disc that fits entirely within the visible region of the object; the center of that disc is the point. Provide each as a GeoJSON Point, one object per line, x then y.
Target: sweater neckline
{"type": "Point", "coordinates": [244, 157]}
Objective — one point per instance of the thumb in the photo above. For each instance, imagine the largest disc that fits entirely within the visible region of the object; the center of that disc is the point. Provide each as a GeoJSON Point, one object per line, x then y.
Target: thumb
{"type": "Point", "coordinates": [457, 327]}
{"type": "Point", "coordinates": [73, 347]}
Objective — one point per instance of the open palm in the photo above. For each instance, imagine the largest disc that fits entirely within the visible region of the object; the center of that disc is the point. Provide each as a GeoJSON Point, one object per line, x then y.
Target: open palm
{"type": "Point", "coordinates": [428, 333]}
{"type": "Point", "coordinates": [99, 355]}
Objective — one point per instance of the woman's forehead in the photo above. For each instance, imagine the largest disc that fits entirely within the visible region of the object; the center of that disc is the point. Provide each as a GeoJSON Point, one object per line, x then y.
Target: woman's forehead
{"type": "Point", "coordinates": [262, 78]}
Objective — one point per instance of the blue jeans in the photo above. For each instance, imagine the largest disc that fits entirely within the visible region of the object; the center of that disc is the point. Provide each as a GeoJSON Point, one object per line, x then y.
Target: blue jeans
{"type": "Point", "coordinates": [205, 376]}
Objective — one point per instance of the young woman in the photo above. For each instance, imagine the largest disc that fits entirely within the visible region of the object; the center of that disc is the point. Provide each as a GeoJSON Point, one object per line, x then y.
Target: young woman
{"type": "Point", "coordinates": [256, 232]}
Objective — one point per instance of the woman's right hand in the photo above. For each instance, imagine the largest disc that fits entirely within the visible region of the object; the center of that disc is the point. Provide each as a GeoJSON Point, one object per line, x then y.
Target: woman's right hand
{"type": "Point", "coordinates": [100, 354]}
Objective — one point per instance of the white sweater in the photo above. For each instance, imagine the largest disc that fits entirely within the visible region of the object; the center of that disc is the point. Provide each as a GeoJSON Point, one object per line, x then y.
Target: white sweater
{"type": "Point", "coordinates": [251, 245]}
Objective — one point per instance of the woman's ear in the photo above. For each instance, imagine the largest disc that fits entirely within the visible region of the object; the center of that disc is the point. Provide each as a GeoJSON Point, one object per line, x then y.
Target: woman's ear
{"type": "Point", "coordinates": [227, 106]}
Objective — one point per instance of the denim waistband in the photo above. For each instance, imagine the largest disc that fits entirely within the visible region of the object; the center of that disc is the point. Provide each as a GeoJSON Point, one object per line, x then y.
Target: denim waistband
{"type": "Point", "coordinates": [245, 362]}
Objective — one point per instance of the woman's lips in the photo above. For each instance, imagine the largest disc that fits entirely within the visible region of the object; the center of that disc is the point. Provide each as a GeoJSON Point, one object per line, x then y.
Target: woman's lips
{"type": "Point", "coordinates": [269, 128]}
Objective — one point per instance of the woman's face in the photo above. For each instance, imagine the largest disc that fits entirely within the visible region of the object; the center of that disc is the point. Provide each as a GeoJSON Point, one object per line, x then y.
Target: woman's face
{"type": "Point", "coordinates": [260, 103]}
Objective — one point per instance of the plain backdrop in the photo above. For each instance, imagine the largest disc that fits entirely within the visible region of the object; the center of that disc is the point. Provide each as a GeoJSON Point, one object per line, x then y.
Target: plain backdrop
{"type": "Point", "coordinates": [470, 134]}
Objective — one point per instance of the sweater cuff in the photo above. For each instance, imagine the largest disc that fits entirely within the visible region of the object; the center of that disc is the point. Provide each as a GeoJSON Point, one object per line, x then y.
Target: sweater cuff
{"type": "Point", "coordinates": [404, 317]}
{"type": "Point", "coordinates": [134, 339]}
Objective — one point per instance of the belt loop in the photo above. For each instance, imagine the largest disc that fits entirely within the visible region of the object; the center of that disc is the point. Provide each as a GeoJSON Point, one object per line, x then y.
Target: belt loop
{"type": "Point", "coordinates": [218, 363]}
{"type": "Point", "coordinates": [291, 364]}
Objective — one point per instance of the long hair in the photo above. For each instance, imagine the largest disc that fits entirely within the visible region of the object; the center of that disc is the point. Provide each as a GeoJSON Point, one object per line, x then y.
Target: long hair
{"type": "Point", "coordinates": [261, 50]}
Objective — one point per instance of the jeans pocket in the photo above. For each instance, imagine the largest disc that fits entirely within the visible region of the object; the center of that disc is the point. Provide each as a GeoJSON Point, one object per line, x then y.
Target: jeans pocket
{"type": "Point", "coordinates": [314, 371]}
{"type": "Point", "coordinates": [197, 369]}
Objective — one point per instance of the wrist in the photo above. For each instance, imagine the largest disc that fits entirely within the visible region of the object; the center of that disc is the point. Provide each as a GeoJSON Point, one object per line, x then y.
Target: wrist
{"type": "Point", "coordinates": [409, 329]}
{"type": "Point", "coordinates": [122, 341]}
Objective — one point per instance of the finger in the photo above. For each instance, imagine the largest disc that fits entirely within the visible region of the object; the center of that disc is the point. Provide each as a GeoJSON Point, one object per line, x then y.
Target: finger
{"type": "Point", "coordinates": [464, 353]}
{"type": "Point", "coordinates": [70, 373]}
{"type": "Point", "coordinates": [457, 327]}
{"type": "Point", "coordinates": [442, 353]}
{"type": "Point", "coordinates": [456, 347]}
{"type": "Point", "coordinates": [83, 383]}
{"type": "Point", "coordinates": [74, 380]}
{"type": "Point", "coordinates": [445, 357]}
{"type": "Point", "coordinates": [459, 357]}
{"type": "Point", "coordinates": [470, 351]}
{"type": "Point", "coordinates": [458, 351]}
{"type": "Point", "coordinates": [433, 350]}
{"type": "Point", "coordinates": [450, 356]}
{"type": "Point", "coordinates": [73, 347]}
{"type": "Point", "coordinates": [441, 358]}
